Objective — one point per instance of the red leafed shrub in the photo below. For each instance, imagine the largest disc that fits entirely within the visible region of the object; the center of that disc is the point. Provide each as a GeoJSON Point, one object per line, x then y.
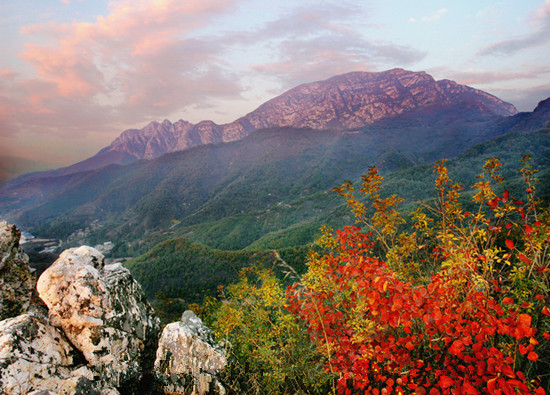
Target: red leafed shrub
{"type": "Point", "coordinates": [478, 324]}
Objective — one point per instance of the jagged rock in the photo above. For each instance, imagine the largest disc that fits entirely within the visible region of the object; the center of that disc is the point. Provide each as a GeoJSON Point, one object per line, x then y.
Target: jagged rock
{"type": "Point", "coordinates": [187, 348]}
{"type": "Point", "coordinates": [103, 312]}
{"type": "Point", "coordinates": [36, 356]}
{"type": "Point", "coordinates": [17, 293]}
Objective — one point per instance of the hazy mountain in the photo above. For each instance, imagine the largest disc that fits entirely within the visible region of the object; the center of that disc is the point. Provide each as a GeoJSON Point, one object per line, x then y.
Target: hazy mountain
{"type": "Point", "coordinates": [12, 166]}
{"type": "Point", "coordinates": [265, 169]}
{"type": "Point", "coordinates": [352, 100]}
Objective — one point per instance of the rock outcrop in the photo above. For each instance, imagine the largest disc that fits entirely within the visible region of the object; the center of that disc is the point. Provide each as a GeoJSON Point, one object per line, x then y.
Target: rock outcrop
{"type": "Point", "coordinates": [17, 292]}
{"type": "Point", "coordinates": [96, 333]}
{"type": "Point", "coordinates": [36, 355]}
{"type": "Point", "coordinates": [186, 351]}
{"type": "Point", "coordinates": [103, 312]}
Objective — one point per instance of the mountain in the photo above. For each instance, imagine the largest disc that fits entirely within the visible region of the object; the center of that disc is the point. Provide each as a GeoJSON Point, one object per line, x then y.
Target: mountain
{"type": "Point", "coordinates": [348, 101]}
{"type": "Point", "coordinates": [12, 166]}
{"type": "Point", "coordinates": [267, 170]}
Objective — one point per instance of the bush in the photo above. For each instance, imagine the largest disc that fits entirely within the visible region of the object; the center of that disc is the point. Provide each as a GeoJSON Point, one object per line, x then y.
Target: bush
{"type": "Point", "coordinates": [449, 301]}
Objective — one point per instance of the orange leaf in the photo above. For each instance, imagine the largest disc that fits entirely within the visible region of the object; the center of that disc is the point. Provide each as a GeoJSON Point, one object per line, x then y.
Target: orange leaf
{"type": "Point", "coordinates": [510, 244]}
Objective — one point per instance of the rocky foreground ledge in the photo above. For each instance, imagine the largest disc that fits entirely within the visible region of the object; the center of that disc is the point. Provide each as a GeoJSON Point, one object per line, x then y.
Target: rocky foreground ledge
{"type": "Point", "coordinates": [87, 328]}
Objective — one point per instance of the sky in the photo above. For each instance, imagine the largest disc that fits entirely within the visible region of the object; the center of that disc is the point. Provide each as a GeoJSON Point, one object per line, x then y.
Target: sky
{"type": "Point", "coordinates": [75, 73]}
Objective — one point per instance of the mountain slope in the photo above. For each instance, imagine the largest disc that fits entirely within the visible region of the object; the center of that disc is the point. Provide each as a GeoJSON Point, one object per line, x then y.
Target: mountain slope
{"type": "Point", "coordinates": [267, 168]}
{"type": "Point", "coordinates": [352, 100]}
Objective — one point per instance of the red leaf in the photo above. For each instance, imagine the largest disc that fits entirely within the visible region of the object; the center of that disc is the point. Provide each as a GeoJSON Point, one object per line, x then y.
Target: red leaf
{"type": "Point", "coordinates": [528, 229]}
{"type": "Point", "coordinates": [524, 259]}
{"type": "Point", "coordinates": [507, 300]}
{"type": "Point", "coordinates": [445, 382]}
{"type": "Point", "coordinates": [525, 321]}
{"type": "Point", "coordinates": [491, 385]}
{"type": "Point", "coordinates": [533, 356]}
{"type": "Point", "coordinates": [546, 311]}
{"type": "Point", "coordinates": [510, 244]}
{"type": "Point", "coordinates": [546, 335]}
{"type": "Point", "coordinates": [522, 349]}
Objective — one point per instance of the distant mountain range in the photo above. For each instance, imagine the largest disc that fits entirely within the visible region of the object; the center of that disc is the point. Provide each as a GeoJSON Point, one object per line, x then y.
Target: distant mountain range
{"type": "Point", "coordinates": [270, 186]}
{"type": "Point", "coordinates": [349, 101]}
{"type": "Point", "coordinates": [11, 167]}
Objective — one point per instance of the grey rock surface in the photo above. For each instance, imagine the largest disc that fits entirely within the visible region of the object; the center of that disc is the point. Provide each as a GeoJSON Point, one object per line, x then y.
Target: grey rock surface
{"type": "Point", "coordinates": [188, 349]}
{"type": "Point", "coordinates": [36, 356]}
{"type": "Point", "coordinates": [17, 284]}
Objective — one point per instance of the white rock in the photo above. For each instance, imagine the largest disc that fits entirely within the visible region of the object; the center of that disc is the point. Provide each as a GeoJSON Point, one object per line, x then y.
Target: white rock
{"type": "Point", "coordinates": [35, 356]}
{"type": "Point", "coordinates": [187, 348]}
{"type": "Point", "coordinates": [103, 312]}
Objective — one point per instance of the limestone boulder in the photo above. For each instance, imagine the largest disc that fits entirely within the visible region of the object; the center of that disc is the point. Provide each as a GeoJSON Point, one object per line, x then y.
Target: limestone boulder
{"type": "Point", "coordinates": [104, 313]}
{"type": "Point", "coordinates": [189, 357]}
{"type": "Point", "coordinates": [36, 356]}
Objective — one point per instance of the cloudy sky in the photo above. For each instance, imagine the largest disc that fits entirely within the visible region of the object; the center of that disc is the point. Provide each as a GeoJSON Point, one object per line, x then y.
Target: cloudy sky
{"type": "Point", "coordinates": [75, 73]}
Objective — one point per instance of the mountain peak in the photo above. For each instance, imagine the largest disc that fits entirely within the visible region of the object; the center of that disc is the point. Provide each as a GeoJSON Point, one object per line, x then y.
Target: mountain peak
{"type": "Point", "coordinates": [544, 105]}
{"type": "Point", "coordinates": [356, 99]}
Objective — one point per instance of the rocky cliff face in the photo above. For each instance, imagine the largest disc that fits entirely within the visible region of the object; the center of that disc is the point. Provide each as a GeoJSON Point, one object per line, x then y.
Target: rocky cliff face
{"type": "Point", "coordinates": [357, 99]}
{"type": "Point", "coordinates": [17, 293]}
{"type": "Point", "coordinates": [98, 334]}
{"type": "Point", "coordinates": [346, 101]}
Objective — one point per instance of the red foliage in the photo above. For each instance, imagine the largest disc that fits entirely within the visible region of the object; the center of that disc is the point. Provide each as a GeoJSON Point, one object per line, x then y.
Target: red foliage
{"type": "Point", "coordinates": [423, 339]}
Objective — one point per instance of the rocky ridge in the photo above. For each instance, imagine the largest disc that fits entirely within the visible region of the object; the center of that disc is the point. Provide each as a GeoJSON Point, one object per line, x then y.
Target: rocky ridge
{"type": "Point", "coordinates": [347, 101]}
{"type": "Point", "coordinates": [98, 334]}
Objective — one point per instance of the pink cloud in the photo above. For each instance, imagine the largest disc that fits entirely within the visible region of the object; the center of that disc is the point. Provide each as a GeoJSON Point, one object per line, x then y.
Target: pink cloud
{"type": "Point", "coordinates": [126, 66]}
{"type": "Point", "coordinates": [315, 43]}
